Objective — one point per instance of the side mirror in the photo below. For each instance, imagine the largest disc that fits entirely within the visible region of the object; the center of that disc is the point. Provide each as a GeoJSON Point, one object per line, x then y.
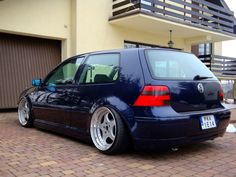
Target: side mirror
{"type": "Point", "coordinates": [36, 82]}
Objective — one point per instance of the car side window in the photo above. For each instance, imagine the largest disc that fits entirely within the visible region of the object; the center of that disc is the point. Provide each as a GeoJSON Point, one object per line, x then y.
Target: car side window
{"type": "Point", "coordinates": [65, 74]}
{"type": "Point", "coordinates": [100, 68]}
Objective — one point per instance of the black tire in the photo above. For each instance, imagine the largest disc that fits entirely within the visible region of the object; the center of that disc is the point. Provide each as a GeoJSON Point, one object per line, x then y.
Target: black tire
{"type": "Point", "coordinates": [122, 139]}
{"type": "Point", "coordinates": [25, 118]}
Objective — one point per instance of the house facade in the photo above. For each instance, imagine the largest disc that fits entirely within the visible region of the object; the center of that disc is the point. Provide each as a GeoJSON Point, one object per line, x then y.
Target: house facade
{"type": "Point", "coordinates": [36, 35]}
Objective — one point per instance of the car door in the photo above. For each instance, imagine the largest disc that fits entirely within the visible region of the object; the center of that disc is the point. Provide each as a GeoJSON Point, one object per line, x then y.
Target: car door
{"type": "Point", "coordinates": [56, 95]}
{"type": "Point", "coordinates": [96, 81]}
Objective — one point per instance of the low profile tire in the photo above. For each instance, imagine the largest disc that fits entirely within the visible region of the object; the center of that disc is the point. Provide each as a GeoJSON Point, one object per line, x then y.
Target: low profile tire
{"type": "Point", "coordinates": [24, 113]}
{"type": "Point", "coordinates": [108, 131]}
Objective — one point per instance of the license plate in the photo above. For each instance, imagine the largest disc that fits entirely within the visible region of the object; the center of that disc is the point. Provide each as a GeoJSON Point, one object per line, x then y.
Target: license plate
{"type": "Point", "coordinates": [208, 122]}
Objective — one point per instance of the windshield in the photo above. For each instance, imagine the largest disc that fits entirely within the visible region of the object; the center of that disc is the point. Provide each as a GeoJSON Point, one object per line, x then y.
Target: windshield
{"type": "Point", "coordinates": [165, 64]}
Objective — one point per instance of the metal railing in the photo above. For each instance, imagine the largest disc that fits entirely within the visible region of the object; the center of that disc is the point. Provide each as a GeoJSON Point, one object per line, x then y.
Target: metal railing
{"type": "Point", "coordinates": [195, 12]}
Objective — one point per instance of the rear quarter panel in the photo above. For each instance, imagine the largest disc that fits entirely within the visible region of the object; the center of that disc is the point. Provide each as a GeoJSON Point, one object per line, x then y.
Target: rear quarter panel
{"type": "Point", "coordinates": [126, 89]}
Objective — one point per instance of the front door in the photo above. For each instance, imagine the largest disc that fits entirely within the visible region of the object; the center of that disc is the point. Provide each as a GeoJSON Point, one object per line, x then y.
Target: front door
{"type": "Point", "coordinates": [54, 98]}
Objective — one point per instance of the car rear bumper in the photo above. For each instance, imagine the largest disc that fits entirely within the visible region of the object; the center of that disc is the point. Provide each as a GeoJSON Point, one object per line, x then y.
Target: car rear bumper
{"type": "Point", "coordinates": [177, 131]}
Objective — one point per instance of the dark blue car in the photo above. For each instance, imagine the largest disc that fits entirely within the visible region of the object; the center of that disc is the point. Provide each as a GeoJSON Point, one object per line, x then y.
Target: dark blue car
{"type": "Point", "coordinates": [148, 98]}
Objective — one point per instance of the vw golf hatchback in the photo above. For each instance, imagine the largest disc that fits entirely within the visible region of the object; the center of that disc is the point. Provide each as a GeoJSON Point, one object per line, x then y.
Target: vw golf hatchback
{"type": "Point", "coordinates": [148, 98]}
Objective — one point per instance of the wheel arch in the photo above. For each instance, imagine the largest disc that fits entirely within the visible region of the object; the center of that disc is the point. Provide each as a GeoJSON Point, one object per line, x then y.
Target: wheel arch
{"type": "Point", "coordinates": [123, 109]}
{"type": "Point", "coordinates": [25, 94]}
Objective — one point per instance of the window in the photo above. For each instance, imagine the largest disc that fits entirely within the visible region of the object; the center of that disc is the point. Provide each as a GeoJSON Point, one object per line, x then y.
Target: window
{"type": "Point", "coordinates": [205, 49]}
{"type": "Point", "coordinates": [164, 68]}
{"type": "Point", "coordinates": [175, 65]}
{"type": "Point", "coordinates": [128, 44]}
{"type": "Point", "coordinates": [101, 68]}
{"type": "Point", "coordinates": [65, 74]}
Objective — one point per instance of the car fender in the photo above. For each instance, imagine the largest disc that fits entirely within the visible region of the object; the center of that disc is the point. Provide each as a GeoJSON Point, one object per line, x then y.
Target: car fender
{"type": "Point", "coordinates": [122, 108]}
{"type": "Point", "coordinates": [26, 93]}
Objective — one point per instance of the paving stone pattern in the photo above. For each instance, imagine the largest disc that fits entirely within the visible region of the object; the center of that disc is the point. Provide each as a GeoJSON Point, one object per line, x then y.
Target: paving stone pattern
{"type": "Point", "coordinates": [29, 152]}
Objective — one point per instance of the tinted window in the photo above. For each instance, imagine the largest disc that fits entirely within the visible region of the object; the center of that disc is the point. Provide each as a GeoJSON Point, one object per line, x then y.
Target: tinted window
{"type": "Point", "coordinates": [101, 68]}
{"type": "Point", "coordinates": [175, 65]}
{"type": "Point", "coordinates": [65, 74]}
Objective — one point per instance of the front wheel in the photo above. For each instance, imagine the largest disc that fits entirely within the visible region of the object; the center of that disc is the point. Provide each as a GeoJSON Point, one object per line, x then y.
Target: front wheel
{"type": "Point", "coordinates": [24, 113]}
{"type": "Point", "coordinates": [108, 131]}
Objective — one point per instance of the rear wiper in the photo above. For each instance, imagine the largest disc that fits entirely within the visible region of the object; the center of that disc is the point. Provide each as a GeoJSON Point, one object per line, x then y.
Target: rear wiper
{"type": "Point", "coordinates": [198, 77]}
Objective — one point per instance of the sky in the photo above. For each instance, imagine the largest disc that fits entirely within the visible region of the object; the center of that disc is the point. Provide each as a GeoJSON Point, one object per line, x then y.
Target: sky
{"type": "Point", "coordinates": [229, 47]}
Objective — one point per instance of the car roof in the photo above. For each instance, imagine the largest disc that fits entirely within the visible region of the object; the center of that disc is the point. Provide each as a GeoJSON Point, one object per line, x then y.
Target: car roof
{"type": "Point", "coordinates": [125, 50]}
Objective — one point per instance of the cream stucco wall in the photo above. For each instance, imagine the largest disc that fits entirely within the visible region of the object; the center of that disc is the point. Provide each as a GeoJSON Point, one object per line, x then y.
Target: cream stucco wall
{"type": "Point", "coordinates": [82, 26]}
{"type": "Point", "coordinates": [42, 18]}
{"type": "Point", "coordinates": [94, 32]}
{"type": "Point", "coordinates": [217, 48]}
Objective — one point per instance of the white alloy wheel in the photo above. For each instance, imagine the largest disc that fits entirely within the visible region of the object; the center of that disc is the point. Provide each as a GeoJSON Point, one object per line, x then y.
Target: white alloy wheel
{"type": "Point", "coordinates": [103, 128]}
{"type": "Point", "coordinates": [24, 112]}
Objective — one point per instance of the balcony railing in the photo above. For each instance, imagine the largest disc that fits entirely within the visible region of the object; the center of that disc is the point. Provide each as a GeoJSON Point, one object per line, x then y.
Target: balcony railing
{"type": "Point", "coordinates": [198, 13]}
{"type": "Point", "coordinates": [220, 65]}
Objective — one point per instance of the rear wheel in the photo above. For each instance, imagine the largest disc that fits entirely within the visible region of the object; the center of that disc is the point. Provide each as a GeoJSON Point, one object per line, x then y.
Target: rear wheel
{"type": "Point", "coordinates": [108, 131]}
{"type": "Point", "coordinates": [24, 113]}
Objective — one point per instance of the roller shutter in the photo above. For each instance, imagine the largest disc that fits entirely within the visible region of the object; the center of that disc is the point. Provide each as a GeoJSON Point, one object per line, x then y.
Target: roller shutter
{"type": "Point", "coordinates": [23, 58]}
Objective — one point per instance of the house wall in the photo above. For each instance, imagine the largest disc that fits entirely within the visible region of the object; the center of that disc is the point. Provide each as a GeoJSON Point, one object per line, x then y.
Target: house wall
{"type": "Point", "coordinates": [82, 26]}
{"type": "Point", "coordinates": [217, 48]}
{"type": "Point", "coordinates": [43, 18]}
{"type": "Point", "coordinates": [95, 33]}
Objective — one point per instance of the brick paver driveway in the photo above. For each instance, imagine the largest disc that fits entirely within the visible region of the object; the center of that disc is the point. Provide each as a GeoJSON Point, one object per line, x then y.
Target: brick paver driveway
{"type": "Point", "coordinates": [32, 152]}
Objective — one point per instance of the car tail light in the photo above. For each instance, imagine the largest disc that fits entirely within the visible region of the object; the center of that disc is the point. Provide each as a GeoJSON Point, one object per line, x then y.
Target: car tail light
{"type": "Point", "coordinates": [221, 94]}
{"type": "Point", "coordinates": [154, 96]}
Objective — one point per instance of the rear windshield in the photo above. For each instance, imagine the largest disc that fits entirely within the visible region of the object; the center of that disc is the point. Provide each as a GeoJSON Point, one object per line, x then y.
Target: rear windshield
{"type": "Point", "coordinates": [175, 65]}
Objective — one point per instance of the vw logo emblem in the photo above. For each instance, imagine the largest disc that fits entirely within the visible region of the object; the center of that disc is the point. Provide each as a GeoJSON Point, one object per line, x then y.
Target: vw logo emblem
{"type": "Point", "coordinates": [200, 88]}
